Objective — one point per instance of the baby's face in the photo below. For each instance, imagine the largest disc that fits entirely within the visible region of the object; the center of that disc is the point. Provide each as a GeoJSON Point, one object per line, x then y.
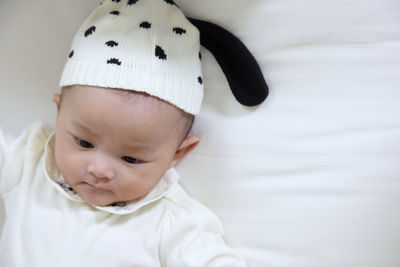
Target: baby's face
{"type": "Point", "coordinates": [112, 147]}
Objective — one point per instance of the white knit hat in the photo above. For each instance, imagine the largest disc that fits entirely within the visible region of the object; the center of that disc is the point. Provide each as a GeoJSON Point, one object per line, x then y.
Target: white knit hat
{"type": "Point", "coordinates": [141, 45]}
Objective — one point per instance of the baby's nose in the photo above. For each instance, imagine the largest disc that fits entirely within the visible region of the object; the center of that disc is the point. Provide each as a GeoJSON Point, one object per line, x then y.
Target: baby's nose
{"type": "Point", "coordinates": [100, 169]}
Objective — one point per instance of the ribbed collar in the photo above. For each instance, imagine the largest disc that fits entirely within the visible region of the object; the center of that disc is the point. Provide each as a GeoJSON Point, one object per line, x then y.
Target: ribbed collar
{"type": "Point", "coordinates": [53, 175]}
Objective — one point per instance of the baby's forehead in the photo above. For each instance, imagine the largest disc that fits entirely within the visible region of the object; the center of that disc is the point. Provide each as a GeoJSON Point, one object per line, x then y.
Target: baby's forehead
{"type": "Point", "coordinates": [140, 96]}
{"type": "Point", "coordinates": [148, 101]}
{"type": "Point", "coordinates": [125, 95]}
{"type": "Point", "coordinates": [127, 99]}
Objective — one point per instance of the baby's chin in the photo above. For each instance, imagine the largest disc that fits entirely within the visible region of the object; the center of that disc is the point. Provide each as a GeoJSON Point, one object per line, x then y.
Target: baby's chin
{"type": "Point", "coordinates": [95, 196]}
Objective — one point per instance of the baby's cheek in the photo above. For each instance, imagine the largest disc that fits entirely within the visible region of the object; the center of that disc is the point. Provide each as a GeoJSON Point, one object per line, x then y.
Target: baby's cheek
{"type": "Point", "coordinates": [68, 165]}
{"type": "Point", "coordinates": [59, 159]}
{"type": "Point", "coordinates": [76, 165]}
{"type": "Point", "coordinates": [133, 186]}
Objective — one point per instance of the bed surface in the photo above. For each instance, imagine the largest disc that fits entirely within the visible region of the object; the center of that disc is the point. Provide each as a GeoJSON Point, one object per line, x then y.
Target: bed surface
{"type": "Point", "coordinates": [311, 177]}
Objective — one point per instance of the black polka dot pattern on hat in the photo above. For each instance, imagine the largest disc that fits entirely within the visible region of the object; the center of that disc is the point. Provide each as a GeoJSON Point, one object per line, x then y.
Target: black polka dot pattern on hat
{"type": "Point", "coordinates": [114, 61]}
{"type": "Point", "coordinates": [178, 30]}
{"type": "Point", "coordinates": [90, 31]}
{"type": "Point", "coordinates": [160, 53]}
{"type": "Point", "coordinates": [145, 25]}
{"type": "Point", "coordinates": [111, 43]}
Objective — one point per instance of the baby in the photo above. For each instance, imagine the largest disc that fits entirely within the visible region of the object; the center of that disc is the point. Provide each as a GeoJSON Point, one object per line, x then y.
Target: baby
{"type": "Point", "coordinates": [113, 146]}
{"type": "Point", "coordinates": [102, 189]}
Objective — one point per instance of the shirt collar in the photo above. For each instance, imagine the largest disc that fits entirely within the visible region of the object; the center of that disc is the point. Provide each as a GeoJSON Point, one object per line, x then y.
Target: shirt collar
{"type": "Point", "coordinates": [57, 180]}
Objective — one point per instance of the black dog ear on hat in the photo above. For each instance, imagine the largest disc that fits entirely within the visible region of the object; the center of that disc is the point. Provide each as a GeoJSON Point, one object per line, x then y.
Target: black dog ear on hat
{"type": "Point", "coordinates": [238, 64]}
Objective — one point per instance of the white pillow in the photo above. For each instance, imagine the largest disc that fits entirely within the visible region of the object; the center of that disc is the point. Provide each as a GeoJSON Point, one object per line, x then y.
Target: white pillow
{"type": "Point", "coordinates": [308, 178]}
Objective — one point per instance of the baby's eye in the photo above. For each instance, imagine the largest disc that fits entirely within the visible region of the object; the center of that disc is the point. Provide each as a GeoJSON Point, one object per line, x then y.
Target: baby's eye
{"type": "Point", "coordinates": [84, 143]}
{"type": "Point", "coordinates": [130, 160]}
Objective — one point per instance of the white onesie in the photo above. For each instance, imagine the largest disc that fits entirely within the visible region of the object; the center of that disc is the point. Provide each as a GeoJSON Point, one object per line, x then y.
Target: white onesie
{"type": "Point", "coordinates": [45, 223]}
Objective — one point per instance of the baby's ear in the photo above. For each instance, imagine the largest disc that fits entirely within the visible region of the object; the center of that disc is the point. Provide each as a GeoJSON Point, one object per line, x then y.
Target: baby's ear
{"type": "Point", "coordinates": [187, 145]}
{"type": "Point", "coordinates": [57, 100]}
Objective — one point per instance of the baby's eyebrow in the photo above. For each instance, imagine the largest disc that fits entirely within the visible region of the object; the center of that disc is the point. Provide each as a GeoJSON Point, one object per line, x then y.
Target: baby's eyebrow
{"type": "Point", "coordinates": [85, 127]}
{"type": "Point", "coordinates": [142, 147]}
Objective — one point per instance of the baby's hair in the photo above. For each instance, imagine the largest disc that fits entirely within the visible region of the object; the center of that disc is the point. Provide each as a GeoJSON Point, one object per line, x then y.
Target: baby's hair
{"type": "Point", "coordinates": [187, 118]}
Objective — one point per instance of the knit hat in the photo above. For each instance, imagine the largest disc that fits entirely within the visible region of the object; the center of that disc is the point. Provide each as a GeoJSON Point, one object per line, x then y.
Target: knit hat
{"type": "Point", "coordinates": [147, 46]}
{"type": "Point", "coordinates": [150, 46]}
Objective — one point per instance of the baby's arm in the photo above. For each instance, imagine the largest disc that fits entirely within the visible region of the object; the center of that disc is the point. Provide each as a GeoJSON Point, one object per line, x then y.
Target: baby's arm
{"type": "Point", "coordinates": [192, 236]}
{"type": "Point", "coordinates": [19, 155]}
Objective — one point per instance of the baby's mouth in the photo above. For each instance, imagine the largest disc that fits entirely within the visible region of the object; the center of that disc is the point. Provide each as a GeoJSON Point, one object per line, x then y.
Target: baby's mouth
{"type": "Point", "coordinates": [96, 185]}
